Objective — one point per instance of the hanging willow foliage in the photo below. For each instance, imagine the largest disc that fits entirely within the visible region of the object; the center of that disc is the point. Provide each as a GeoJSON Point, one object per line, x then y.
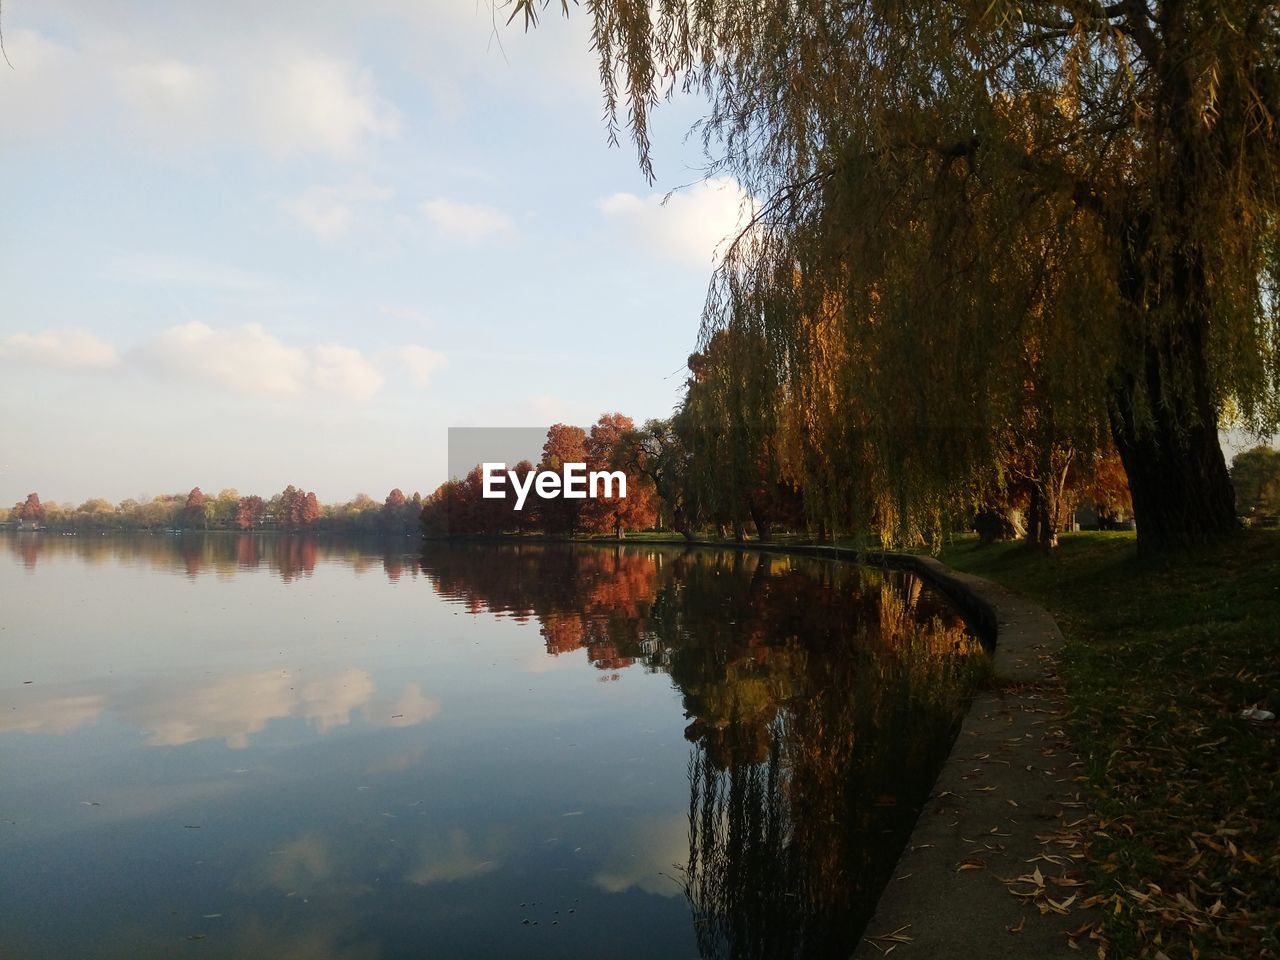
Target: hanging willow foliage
{"type": "Point", "coordinates": [1066, 203]}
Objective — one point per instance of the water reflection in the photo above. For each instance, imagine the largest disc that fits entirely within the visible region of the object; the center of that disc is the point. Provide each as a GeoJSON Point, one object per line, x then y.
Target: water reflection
{"type": "Point", "coordinates": [820, 698]}
{"type": "Point", "coordinates": [289, 556]}
{"type": "Point", "coordinates": [231, 709]}
{"type": "Point", "coordinates": [375, 763]}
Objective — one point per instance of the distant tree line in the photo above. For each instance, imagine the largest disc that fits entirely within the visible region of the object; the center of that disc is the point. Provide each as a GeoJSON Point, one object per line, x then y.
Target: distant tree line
{"type": "Point", "coordinates": [291, 510]}
{"type": "Point", "coordinates": [705, 471]}
{"type": "Point", "coordinates": [459, 508]}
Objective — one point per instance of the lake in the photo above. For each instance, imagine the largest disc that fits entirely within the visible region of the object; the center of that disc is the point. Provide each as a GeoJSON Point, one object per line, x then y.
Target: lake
{"type": "Point", "coordinates": [230, 745]}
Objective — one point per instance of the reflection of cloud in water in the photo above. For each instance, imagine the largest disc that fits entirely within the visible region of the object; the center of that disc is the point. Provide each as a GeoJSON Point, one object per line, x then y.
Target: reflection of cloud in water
{"type": "Point", "coordinates": [413, 707]}
{"type": "Point", "coordinates": [329, 703]}
{"type": "Point", "coordinates": [58, 715]}
{"type": "Point", "coordinates": [299, 865]}
{"type": "Point", "coordinates": [647, 858]}
{"type": "Point", "coordinates": [451, 861]}
{"type": "Point", "coordinates": [235, 708]}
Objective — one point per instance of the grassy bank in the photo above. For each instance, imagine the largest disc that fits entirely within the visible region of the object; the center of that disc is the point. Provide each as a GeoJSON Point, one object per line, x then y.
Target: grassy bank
{"type": "Point", "coordinates": [1160, 661]}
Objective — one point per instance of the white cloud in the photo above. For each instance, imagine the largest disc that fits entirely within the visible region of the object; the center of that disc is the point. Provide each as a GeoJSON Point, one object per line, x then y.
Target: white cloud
{"type": "Point", "coordinates": [468, 222]}
{"type": "Point", "coordinates": [167, 88]}
{"type": "Point", "coordinates": [420, 362]}
{"type": "Point", "coordinates": [59, 350]}
{"type": "Point", "coordinates": [41, 93]}
{"type": "Point", "coordinates": [285, 97]}
{"type": "Point", "coordinates": [693, 225]}
{"type": "Point", "coordinates": [309, 102]}
{"type": "Point", "coordinates": [342, 370]}
{"type": "Point", "coordinates": [329, 212]}
{"type": "Point", "coordinates": [249, 360]}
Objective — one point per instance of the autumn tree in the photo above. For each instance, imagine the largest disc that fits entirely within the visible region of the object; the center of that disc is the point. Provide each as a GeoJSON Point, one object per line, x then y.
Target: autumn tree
{"type": "Point", "coordinates": [30, 510]}
{"type": "Point", "coordinates": [1100, 482]}
{"type": "Point", "coordinates": [393, 510]}
{"type": "Point", "coordinates": [223, 509]}
{"type": "Point", "coordinates": [565, 444]}
{"type": "Point", "coordinates": [1256, 474]}
{"type": "Point", "coordinates": [96, 514]}
{"type": "Point", "coordinates": [193, 513]}
{"type": "Point", "coordinates": [731, 421]}
{"type": "Point", "coordinates": [604, 452]}
{"type": "Point", "coordinates": [520, 521]}
{"type": "Point", "coordinates": [310, 509]}
{"type": "Point", "coordinates": [969, 178]}
{"type": "Point", "coordinates": [656, 452]}
{"type": "Point", "coordinates": [250, 512]}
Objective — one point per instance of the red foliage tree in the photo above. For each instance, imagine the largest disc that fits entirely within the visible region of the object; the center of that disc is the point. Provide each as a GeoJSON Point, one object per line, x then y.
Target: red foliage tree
{"type": "Point", "coordinates": [193, 516]}
{"type": "Point", "coordinates": [565, 444]}
{"type": "Point", "coordinates": [617, 514]}
{"type": "Point", "coordinates": [31, 510]}
{"type": "Point", "coordinates": [249, 512]}
{"type": "Point", "coordinates": [310, 509]}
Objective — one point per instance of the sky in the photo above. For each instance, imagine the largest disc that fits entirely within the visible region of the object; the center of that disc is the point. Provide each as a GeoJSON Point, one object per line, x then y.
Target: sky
{"type": "Point", "coordinates": [246, 245]}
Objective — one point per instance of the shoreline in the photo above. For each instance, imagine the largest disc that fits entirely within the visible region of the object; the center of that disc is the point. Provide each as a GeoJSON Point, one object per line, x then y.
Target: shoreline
{"type": "Point", "coordinates": [1005, 803]}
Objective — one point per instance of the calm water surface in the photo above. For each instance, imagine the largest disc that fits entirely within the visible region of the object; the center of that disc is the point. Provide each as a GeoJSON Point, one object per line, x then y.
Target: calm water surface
{"type": "Point", "coordinates": [247, 746]}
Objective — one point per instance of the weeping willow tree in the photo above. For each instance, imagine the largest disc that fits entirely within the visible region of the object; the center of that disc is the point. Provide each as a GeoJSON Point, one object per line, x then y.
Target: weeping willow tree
{"type": "Point", "coordinates": [1073, 193]}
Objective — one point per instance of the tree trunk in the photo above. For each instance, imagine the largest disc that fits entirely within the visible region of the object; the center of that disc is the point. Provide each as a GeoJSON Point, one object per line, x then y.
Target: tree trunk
{"type": "Point", "coordinates": [1035, 514]}
{"type": "Point", "coordinates": [1167, 432]}
{"type": "Point", "coordinates": [1162, 406]}
{"type": "Point", "coordinates": [1182, 496]}
{"type": "Point", "coordinates": [758, 517]}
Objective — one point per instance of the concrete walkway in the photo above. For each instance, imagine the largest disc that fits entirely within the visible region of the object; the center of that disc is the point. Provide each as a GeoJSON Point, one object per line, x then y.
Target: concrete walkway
{"type": "Point", "coordinates": [1005, 805]}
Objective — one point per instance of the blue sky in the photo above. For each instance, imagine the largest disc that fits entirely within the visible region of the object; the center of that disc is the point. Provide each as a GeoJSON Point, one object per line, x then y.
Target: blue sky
{"type": "Point", "coordinates": [252, 244]}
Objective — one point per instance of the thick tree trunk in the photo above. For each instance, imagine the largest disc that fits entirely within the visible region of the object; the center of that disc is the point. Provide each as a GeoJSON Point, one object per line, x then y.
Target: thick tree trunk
{"type": "Point", "coordinates": [1162, 406]}
{"type": "Point", "coordinates": [1167, 432]}
{"type": "Point", "coordinates": [1182, 496]}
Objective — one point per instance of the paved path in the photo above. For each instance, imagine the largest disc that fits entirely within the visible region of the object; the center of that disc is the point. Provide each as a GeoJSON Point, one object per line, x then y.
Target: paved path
{"type": "Point", "coordinates": [1005, 805]}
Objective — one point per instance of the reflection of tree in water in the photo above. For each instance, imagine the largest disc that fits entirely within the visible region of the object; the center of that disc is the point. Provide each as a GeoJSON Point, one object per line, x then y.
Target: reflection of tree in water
{"type": "Point", "coordinates": [794, 832]}
{"type": "Point", "coordinates": [821, 699]}
{"type": "Point", "coordinates": [289, 556]}
{"type": "Point", "coordinates": [592, 599]}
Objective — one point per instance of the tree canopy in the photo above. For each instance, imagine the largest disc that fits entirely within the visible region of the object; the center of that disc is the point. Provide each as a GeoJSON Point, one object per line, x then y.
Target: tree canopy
{"type": "Point", "coordinates": [987, 227]}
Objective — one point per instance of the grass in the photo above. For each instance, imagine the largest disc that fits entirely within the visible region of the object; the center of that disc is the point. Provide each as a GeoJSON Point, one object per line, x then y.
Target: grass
{"type": "Point", "coordinates": [1160, 660]}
